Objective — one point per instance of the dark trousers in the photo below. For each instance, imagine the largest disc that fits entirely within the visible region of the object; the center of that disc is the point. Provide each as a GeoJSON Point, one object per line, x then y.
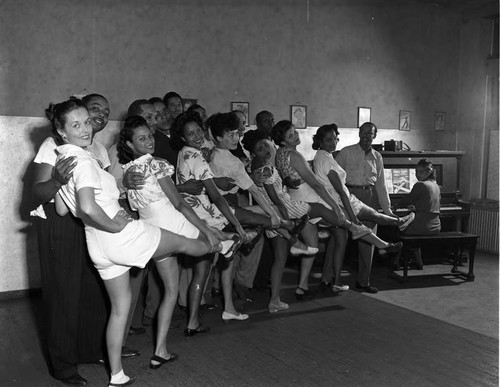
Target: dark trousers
{"type": "Point", "coordinates": [75, 299]}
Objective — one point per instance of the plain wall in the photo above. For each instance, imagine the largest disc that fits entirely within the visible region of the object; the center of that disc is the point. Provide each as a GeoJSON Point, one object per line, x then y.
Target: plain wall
{"type": "Point", "coordinates": [330, 55]}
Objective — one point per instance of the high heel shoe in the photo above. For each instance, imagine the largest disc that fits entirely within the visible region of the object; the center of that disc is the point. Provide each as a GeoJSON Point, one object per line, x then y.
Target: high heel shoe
{"type": "Point", "coordinates": [229, 247]}
{"type": "Point", "coordinates": [191, 332]}
{"type": "Point", "coordinates": [161, 361]}
{"type": "Point", "coordinates": [300, 296]}
{"type": "Point", "coordinates": [127, 383]}
{"type": "Point", "coordinates": [391, 249]}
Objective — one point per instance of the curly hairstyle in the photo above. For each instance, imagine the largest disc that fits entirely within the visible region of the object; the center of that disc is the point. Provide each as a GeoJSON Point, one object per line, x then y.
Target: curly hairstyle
{"type": "Point", "coordinates": [278, 131]}
{"type": "Point", "coordinates": [251, 138]}
{"type": "Point", "coordinates": [125, 153]}
{"type": "Point", "coordinates": [56, 114]}
{"type": "Point", "coordinates": [221, 123]}
{"type": "Point", "coordinates": [177, 130]}
{"type": "Point", "coordinates": [427, 164]}
{"type": "Point", "coordinates": [321, 133]}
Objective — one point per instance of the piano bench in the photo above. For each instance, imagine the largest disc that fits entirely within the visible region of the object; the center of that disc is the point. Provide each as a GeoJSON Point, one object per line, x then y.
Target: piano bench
{"type": "Point", "coordinates": [459, 241]}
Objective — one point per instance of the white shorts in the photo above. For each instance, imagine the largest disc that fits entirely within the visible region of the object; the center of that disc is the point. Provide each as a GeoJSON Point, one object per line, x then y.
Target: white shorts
{"type": "Point", "coordinates": [115, 253]}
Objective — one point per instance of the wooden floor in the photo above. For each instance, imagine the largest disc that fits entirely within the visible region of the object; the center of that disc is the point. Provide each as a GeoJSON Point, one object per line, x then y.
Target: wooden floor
{"type": "Point", "coordinates": [346, 340]}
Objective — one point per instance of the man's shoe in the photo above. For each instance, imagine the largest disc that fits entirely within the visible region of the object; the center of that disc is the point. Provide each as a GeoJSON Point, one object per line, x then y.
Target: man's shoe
{"type": "Point", "coordinates": [133, 331]}
{"type": "Point", "coordinates": [366, 288]}
{"type": "Point", "coordinates": [128, 353]}
{"type": "Point", "coordinates": [74, 380]}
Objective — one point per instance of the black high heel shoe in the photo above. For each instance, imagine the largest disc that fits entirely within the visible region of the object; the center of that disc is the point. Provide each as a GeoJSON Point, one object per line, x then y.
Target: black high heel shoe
{"type": "Point", "coordinates": [300, 296]}
{"type": "Point", "coordinates": [191, 332]}
{"type": "Point", "coordinates": [161, 361]}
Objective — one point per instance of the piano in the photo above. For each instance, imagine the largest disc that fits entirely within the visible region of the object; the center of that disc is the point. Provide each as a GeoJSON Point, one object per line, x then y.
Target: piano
{"type": "Point", "coordinates": [453, 212]}
{"type": "Point", "coordinates": [399, 166]}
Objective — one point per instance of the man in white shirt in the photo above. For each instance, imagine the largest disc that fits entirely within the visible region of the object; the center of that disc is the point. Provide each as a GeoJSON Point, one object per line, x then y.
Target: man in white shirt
{"type": "Point", "coordinates": [365, 179]}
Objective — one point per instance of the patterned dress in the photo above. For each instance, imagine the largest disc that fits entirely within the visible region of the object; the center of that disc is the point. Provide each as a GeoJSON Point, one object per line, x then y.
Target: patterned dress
{"type": "Point", "coordinates": [192, 165]}
{"type": "Point", "coordinates": [295, 208]}
{"type": "Point", "coordinates": [153, 205]}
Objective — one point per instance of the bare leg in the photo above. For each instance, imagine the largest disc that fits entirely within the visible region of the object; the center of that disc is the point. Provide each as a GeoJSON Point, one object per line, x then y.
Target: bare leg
{"type": "Point", "coordinates": [171, 243]}
{"type": "Point", "coordinates": [196, 287]}
{"type": "Point", "coordinates": [340, 236]}
{"type": "Point", "coordinates": [310, 235]}
{"type": "Point", "coordinates": [280, 247]}
{"type": "Point", "coordinates": [169, 273]}
{"type": "Point", "coordinates": [226, 276]}
{"type": "Point", "coordinates": [120, 296]}
{"type": "Point", "coordinates": [369, 214]}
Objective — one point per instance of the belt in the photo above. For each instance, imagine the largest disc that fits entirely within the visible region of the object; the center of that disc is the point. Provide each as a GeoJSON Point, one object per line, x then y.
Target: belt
{"type": "Point", "coordinates": [368, 186]}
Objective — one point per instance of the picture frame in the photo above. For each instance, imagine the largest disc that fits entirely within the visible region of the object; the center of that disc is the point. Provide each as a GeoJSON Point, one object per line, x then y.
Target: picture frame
{"type": "Point", "coordinates": [364, 115]}
{"type": "Point", "coordinates": [187, 102]}
{"type": "Point", "coordinates": [298, 116]}
{"type": "Point", "coordinates": [439, 121]}
{"type": "Point", "coordinates": [243, 107]}
{"type": "Point", "coordinates": [404, 120]}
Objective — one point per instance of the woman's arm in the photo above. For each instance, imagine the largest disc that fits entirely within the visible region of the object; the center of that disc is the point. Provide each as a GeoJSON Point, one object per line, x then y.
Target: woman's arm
{"type": "Point", "coordinates": [61, 207]}
{"type": "Point", "coordinates": [264, 204]}
{"type": "Point", "coordinates": [276, 200]}
{"type": "Point", "coordinates": [298, 162]}
{"type": "Point", "coordinates": [222, 205]}
{"type": "Point", "coordinates": [168, 187]}
{"type": "Point", "coordinates": [93, 215]}
{"type": "Point", "coordinates": [339, 186]}
{"type": "Point", "coordinates": [48, 179]}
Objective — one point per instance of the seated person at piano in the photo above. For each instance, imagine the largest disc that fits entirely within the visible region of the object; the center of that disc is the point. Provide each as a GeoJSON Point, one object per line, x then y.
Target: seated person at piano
{"type": "Point", "coordinates": [424, 200]}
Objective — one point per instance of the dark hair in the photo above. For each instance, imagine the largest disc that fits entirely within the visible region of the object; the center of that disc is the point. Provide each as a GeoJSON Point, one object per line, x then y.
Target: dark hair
{"type": "Point", "coordinates": [427, 164]}
{"type": "Point", "coordinates": [260, 116]}
{"type": "Point", "coordinates": [56, 114]}
{"type": "Point", "coordinates": [177, 130]}
{"type": "Point", "coordinates": [368, 125]}
{"type": "Point", "coordinates": [278, 131]}
{"type": "Point", "coordinates": [221, 123]}
{"type": "Point", "coordinates": [170, 94]}
{"type": "Point", "coordinates": [194, 107]}
{"type": "Point", "coordinates": [321, 133]}
{"type": "Point", "coordinates": [86, 99]}
{"type": "Point", "coordinates": [251, 138]}
{"type": "Point", "coordinates": [135, 108]}
{"type": "Point", "coordinates": [154, 100]}
{"type": "Point", "coordinates": [125, 153]}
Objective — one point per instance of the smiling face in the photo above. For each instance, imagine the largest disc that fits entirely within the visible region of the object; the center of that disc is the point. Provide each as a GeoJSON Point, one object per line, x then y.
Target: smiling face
{"type": "Point", "coordinates": [366, 136]}
{"type": "Point", "coordinates": [291, 138]}
{"type": "Point", "coordinates": [329, 141]}
{"type": "Point", "coordinates": [98, 109]}
{"type": "Point", "coordinates": [164, 121]}
{"type": "Point", "coordinates": [174, 106]}
{"type": "Point", "coordinates": [142, 141]}
{"type": "Point", "coordinates": [150, 115]}
{"type": "Point", "coordinates": [192, 135]}
{"type": "Point", "coordinates": [77, 128]}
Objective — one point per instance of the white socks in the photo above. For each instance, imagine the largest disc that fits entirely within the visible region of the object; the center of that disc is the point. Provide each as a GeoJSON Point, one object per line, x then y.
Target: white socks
{"type": "Point", "coordinates": [119, 378]}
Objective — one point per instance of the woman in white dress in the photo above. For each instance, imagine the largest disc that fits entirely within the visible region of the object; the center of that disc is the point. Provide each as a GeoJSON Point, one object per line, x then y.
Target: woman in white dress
{"type": "Point", "coordinates": [115, 241]}
{"type": "Point", "coordinates": [333, 178]}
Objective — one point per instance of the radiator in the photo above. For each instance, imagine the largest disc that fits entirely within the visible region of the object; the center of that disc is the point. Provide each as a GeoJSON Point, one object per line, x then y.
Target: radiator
{"type": "Point", "coordinates": [484, 222]}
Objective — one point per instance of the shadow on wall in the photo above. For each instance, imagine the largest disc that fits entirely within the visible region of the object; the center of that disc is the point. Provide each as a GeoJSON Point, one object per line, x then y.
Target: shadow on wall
{"type": "Point", "coordinates": [37, 133]}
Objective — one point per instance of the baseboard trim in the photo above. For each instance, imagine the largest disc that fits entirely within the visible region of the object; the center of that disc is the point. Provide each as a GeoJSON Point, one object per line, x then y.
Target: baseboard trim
{"type": "Point", "coordinates": [25, 293]}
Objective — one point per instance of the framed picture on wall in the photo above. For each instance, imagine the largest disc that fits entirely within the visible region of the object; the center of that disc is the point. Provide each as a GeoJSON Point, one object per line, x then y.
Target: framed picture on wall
{"type": "Point", "coordinates": [404, 120]}
{"type": "Point", "coordinates": [298, 116]}
{"type": "Point", "coordinates": [439, 120]}
{"type": "Point", "coordinates": [242, 107]}
{"type": "Point", "coordinates": [364, 115]}
{"type": "Point", "coordinates": [187, 102]}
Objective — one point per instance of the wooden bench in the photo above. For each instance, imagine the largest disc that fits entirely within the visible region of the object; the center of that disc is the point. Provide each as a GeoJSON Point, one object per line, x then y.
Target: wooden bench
{"type": "Point", "coordinates": [457, 241]}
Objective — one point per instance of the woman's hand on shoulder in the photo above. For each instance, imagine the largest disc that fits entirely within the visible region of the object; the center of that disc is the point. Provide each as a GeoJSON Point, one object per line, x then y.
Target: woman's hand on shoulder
{"type": "Point", "coordinates": [291, 183]}
{"type": "Point", "coordinates": [63, 170]}
{"type": "Point", "coordinates": [133, 179]}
